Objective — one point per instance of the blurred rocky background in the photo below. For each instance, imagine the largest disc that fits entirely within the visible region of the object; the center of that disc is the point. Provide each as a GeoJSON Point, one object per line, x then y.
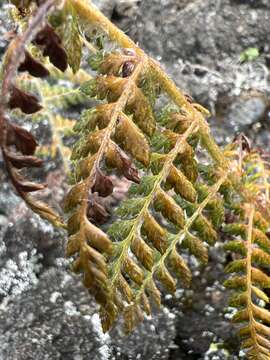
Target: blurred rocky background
{"type": "Point", "coordinates": [218, 52]}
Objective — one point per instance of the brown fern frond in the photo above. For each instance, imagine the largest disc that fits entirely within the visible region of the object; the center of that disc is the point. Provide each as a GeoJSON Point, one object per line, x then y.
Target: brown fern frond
{"type": "Point", "coordinates": [25, 146]}
{"type": "Point", "coordinates": [14, 137]}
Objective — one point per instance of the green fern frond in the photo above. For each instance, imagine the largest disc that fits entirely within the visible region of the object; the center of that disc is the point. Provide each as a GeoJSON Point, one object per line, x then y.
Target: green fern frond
{"type": "Point", "coordinates": [70, 34]}
{"type": "Point", "coordinates": [151, 224]}
{"type": "Point", "coordinates": [250, 285]}
{"type": "Point", "coordinates": [251, 243]}
{"type": "Point", "coordinates": [61, 97]}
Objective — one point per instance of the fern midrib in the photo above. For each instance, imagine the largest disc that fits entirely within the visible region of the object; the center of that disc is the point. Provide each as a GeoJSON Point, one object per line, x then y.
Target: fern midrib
{"type": "Point", "coordinates": [117, 265]}
{"type": "Point", "coordinates": [249, 277]}
{"type": "Point", "coordinates": [47, 90]}
{"type": "Point", "coordinates": [49, 99]}
{"type": "Point", "coordinates": [79, 78]}
{"type": "Point", "coordinates": [119, 106]}
{"type": "Point", "coordinates": [181, 235]}
{"type": "Point", "coordinates": [90, 46]}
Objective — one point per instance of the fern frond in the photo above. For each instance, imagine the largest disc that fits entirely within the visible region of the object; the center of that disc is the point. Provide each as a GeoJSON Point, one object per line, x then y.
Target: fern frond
{"type": "Point", "coordinates": [95, 181]}
{"type": "Point", "coordinates": [70, 34]}
{"type": "Point", "coordinates": [152, 223]}
{"type": "Point", "coordinates": [60, 96]}
{"type": "Point", "coordinates": [17, 144]}
{"type": "Point", "coordinates": [150, 227]}
{"type": "Point", "coordinates": [252, 245]}
{"type": "Point", "coordinates": [80, 77]}
{"type": "Point", "coordinates": [255, 246]}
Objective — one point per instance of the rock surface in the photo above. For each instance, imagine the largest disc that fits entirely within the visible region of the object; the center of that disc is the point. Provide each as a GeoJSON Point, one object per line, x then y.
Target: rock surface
{"type": "Point", "coordinates": [200, 45]}
{"type": "Point", "coordinates": [56, 319]}
{"type": "Point", "coordinates": [204, 33]}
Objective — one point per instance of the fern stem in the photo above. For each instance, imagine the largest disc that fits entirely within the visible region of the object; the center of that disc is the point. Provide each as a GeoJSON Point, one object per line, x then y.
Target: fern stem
{"type": "Point", "coordinates": [13, 57]}
{"type": "Point", "coordinates": [160, 178]}
{"type": "Point", "coordinates": [251, 212]}
{"type": "Point", "coordinates": [16, 49]}
{"type": "Point", "coordinates": [89, 46]}
{"type": "Point", "coordinates": [48, 99]}
{"type": "Point", "coordinates": [91, 14]}
{"type": "Point", "coordinates": [181, 235]}
{"type": "Point", "coordinates": [119, 106]}
{"type": "Point", "coordinates": [79, 78]}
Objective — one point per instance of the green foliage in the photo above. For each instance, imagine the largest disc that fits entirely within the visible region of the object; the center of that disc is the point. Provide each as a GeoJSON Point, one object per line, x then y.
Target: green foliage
{"type": "Point", "coordinates": [144, 187]}
{"type": "Point", "coordinates": [249, 54]}
{"type": "Point", "coordinates": [70, 34]}
{"type": "Point", "coordinates": [130, 207]}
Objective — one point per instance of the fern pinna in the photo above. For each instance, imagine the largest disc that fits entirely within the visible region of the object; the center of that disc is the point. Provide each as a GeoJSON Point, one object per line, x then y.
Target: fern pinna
{"type": "Point", "coordinates": [143, 129]}
{"type": "Point", "coordinates": [251, 244]}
